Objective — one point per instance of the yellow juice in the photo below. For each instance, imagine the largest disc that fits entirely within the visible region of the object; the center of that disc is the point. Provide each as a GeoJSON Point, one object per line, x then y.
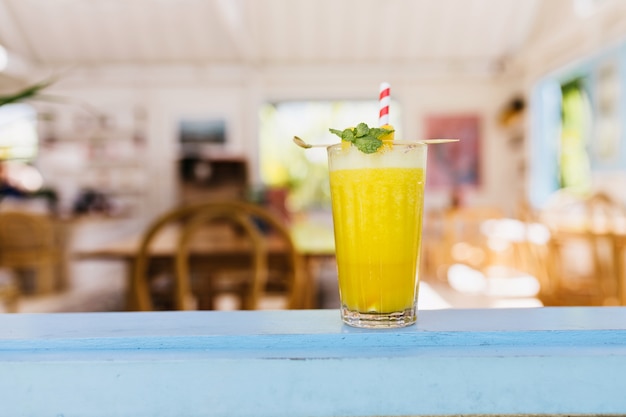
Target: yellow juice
{"type": "Point", "coordinates": [377, 205]}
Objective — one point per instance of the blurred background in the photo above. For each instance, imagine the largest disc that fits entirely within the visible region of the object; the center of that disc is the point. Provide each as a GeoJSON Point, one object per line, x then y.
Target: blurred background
{"type": "Point", "coordinates": [115, 111]}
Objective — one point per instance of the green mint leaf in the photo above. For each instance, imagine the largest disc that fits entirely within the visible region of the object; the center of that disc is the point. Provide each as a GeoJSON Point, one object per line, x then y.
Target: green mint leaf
{"type": "Point", "coordinates": [361, 130]}
{"type": "Point", "coordinates": [336, 132]}
{"type": "Point", "coordinates": [347, 135]}
{"type": "Point", "coordinates": [377, 132]}
{"type": "Point", "coordinates": [366, 139]}
{"type": "Point", "coordinates": [368, 144]}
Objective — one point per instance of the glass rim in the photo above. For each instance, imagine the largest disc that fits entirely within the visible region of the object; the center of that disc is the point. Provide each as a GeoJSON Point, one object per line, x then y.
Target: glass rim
{"type": "Point", "coordinates": [395, 143]}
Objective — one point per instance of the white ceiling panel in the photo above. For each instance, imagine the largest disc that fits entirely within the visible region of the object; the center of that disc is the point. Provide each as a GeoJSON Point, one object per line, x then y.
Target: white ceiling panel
{"type": "Point", "coordinates": [268, 32]}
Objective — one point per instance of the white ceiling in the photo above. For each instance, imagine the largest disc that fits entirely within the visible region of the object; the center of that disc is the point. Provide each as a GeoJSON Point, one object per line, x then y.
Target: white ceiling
{"type": "Point", "coordinates": [87, 32]}
{"type": "Point", "coordinates": [461, 34]}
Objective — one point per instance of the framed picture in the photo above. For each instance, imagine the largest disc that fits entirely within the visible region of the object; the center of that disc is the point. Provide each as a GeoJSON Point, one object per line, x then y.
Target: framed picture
{"type": "Point", "coordinates": [199, 136]}
{"type": "Point", "coordinates": [454, 165]}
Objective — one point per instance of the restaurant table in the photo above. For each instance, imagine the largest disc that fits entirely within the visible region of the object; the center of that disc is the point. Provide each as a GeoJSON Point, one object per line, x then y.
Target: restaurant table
{"type": "Point", "coordinates": [314, 242]}
{"type": "Point", "coordinates": [515, 362]}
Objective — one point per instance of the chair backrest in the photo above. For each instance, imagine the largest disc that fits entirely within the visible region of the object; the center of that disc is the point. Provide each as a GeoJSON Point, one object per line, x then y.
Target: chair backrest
{"type": "Point", "coordinates": [585, 256]}
{"type": "Point", "coordinates": [29, 241]}
{"type": "Point", "coordinates": [603, 213]}
{"type": "Point", "coordinates": [21, 231]}
{"type": "Point", "coordinates": [258, 273]}
{"type": "Point", "coordinates": [463, 237]}
{"type": "Point", "coordinates": [250, 222]}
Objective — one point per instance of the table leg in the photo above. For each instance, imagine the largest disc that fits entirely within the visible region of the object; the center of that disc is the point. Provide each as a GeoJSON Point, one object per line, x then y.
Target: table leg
{"type": "Point", "coordinates": [313, 266]}
{"type": "Point", "coordinates": [620, 266]}
{"type": "Point", "coordinates": [131, 296]}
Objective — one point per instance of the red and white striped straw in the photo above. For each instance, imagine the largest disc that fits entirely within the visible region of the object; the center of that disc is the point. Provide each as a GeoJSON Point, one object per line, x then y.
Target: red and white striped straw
{"type": "Point", "coordinates": [384, 99]}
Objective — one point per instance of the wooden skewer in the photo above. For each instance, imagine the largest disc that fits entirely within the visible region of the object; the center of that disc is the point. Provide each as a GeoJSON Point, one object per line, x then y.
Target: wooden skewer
{"type": "Point", "coordinates": [301, 143]}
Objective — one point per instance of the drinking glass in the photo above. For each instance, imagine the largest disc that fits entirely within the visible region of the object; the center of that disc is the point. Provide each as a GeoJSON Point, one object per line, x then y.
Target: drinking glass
{"type": "Point", "coordinates": [377, 204]}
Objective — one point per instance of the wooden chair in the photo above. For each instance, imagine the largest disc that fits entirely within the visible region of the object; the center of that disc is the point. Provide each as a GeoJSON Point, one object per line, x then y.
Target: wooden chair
{"type": "Point", "coordinates": [463, 240]}
{"type": "Point", "coordinates": [486, 254]}
{"type": "Point", "coordinates": [250, 278]}
{"type": "Point", "coordinates": [28, 243]}
{"type": "Point", "coordinates": [585, 255]}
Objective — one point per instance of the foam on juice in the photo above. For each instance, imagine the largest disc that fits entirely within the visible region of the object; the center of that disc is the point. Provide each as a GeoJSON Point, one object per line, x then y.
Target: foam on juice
{"type": "Point", "coordinates": [352, 158]}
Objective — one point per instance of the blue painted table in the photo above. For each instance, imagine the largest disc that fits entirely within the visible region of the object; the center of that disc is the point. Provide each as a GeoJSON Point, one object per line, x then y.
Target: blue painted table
{"type": "Point", "coordinates": [306, 363]}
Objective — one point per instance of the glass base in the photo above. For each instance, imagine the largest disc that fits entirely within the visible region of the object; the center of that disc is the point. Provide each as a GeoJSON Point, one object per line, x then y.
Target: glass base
{"type": "Point", "coordinates": [379, 320]}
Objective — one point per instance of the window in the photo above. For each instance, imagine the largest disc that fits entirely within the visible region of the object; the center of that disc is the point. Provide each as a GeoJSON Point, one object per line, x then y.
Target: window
{"type": "Point", "coordinates": [577, 128]}
{"type": "Point", "coordinates": [305, 172]}
{"type": "Point", "coordinates": [18, 132]}
{"type": "Point", "coordinates": [574, 168]}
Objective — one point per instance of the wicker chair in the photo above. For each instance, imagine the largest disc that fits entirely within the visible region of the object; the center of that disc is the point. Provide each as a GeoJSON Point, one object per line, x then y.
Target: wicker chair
{"type": "Point", "coordinates": [28, 242]}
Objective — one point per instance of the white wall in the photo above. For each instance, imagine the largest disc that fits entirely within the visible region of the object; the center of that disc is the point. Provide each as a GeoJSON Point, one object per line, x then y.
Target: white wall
{"type": "Point", "coordinates": [235, 95]}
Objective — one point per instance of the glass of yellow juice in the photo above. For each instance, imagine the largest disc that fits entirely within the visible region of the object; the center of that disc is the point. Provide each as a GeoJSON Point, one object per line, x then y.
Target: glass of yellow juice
{"type": "Point", "coordinates": [377, 203]}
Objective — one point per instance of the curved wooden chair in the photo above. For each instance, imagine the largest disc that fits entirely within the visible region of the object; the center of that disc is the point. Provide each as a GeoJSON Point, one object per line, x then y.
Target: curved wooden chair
{"type": "Point", "coordinates": [585, 259]}
{"type": "Point", "coordinates": [28, 242]}
{"type": "Point", "coordinates": [462, 239]}
{"type": "Point", "coordinates": [252, 228]}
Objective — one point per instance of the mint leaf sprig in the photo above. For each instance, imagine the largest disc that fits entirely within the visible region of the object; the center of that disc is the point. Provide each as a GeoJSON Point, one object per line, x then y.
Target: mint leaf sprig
{"type": "Point", "coordinates": [365, 138]}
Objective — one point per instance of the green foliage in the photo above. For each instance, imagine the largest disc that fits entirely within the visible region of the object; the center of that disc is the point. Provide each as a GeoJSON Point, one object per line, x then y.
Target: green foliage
{"type": "Point", "coordinates": [26, 93]}
{"type": "Point", "coordinates": [365, 138]}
